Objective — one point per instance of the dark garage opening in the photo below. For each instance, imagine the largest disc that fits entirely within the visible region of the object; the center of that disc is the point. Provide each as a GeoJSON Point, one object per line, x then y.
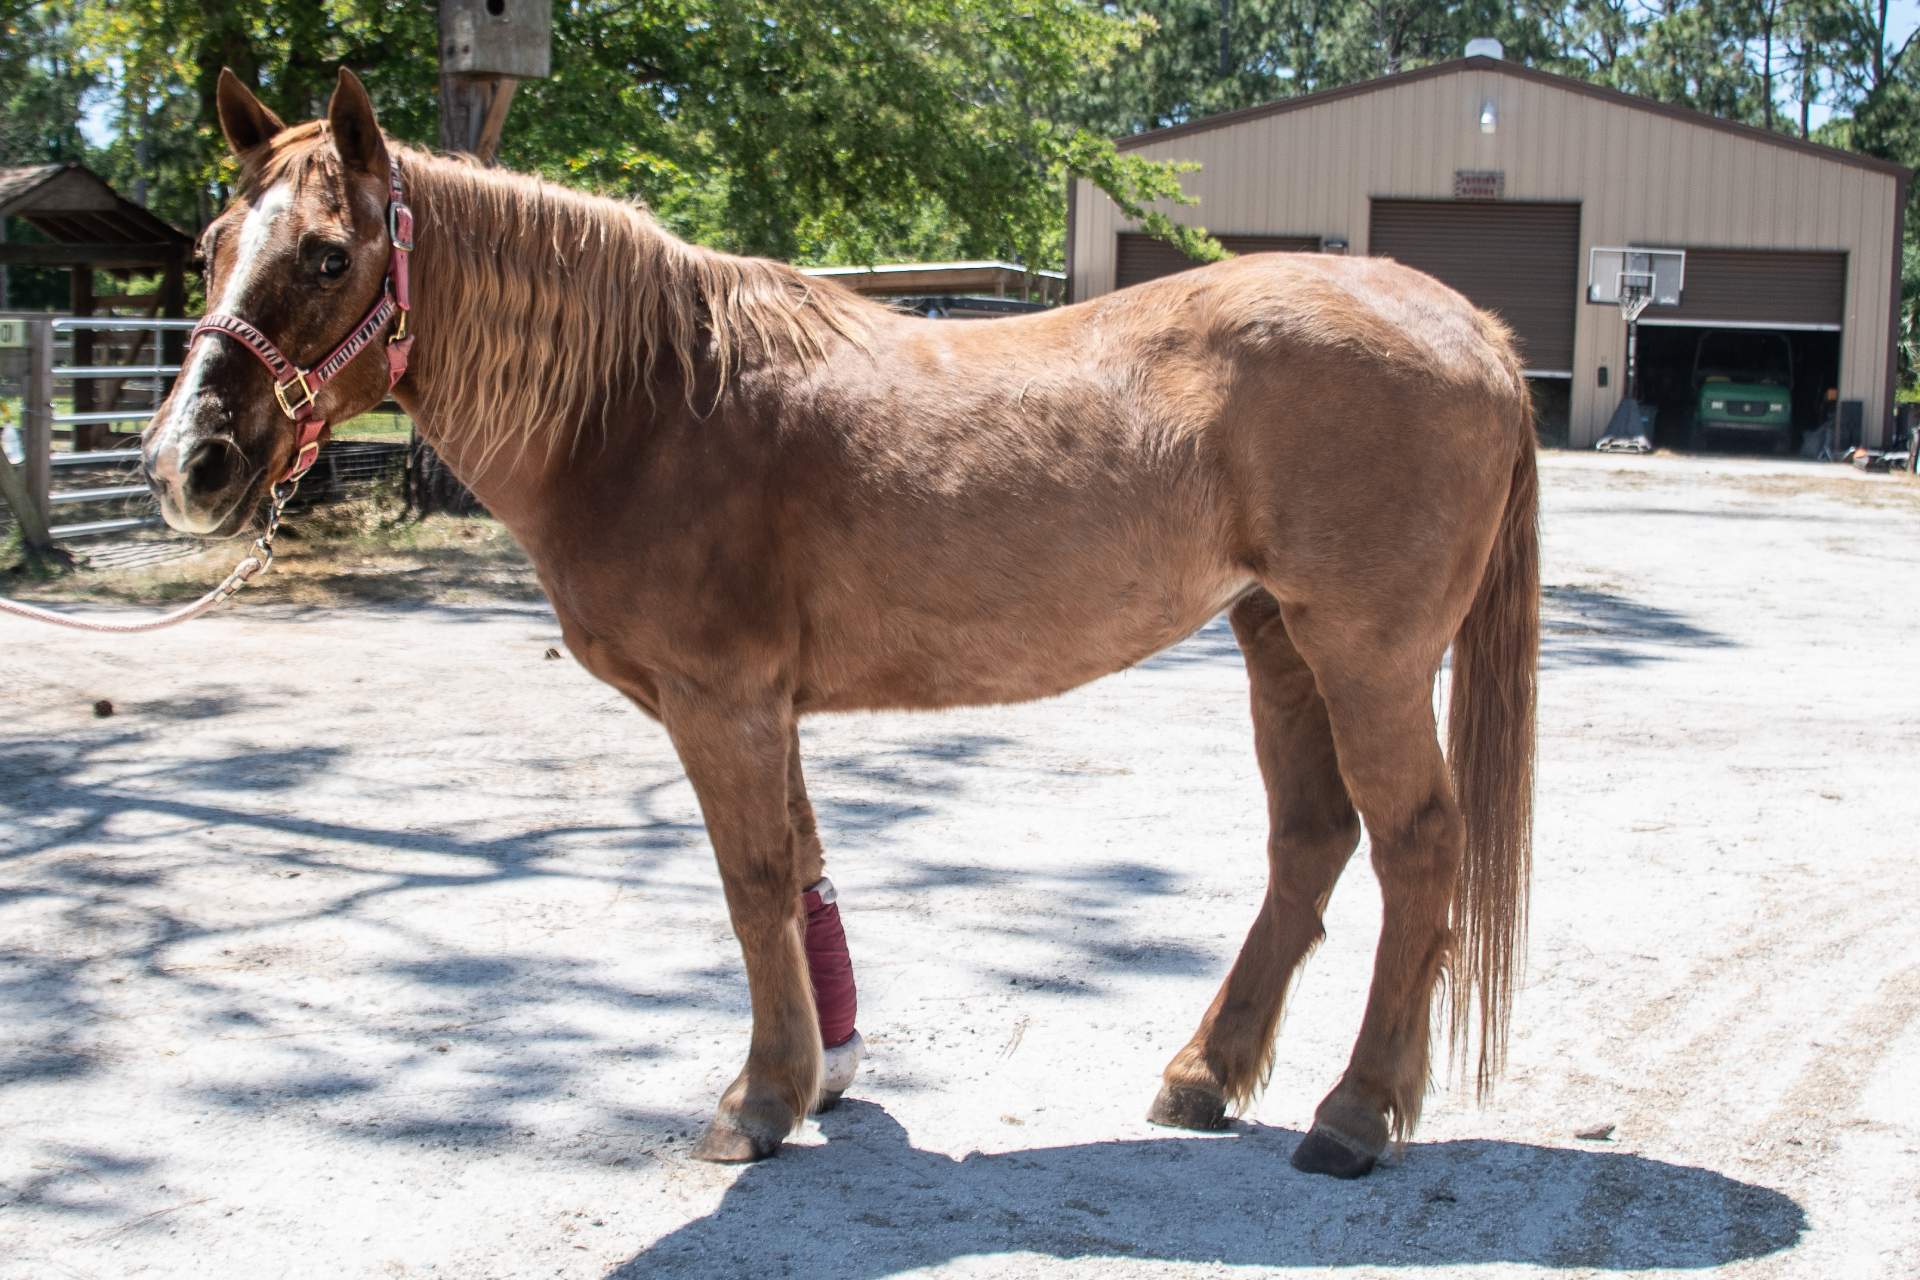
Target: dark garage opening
{"type": "Point", "coordinates": [1666, 359]}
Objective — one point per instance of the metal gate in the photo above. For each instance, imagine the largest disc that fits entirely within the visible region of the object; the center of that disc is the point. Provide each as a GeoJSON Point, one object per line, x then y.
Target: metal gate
{"type": "Point", "coordinates": [93, 488]}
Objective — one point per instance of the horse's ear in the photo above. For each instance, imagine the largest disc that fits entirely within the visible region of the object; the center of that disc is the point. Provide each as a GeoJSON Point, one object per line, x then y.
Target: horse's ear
{"type": "Point", "coordinates": [243, 118]}
{"type": "Point", "coordinates": [356, 134]}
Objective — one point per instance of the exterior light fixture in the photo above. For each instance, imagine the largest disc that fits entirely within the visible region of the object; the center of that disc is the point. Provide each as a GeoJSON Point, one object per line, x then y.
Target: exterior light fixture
{"type": "Point", "coordinates": [1489, 118]}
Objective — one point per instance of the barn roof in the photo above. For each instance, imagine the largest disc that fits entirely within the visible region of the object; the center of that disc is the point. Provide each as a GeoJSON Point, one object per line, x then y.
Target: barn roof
{"type": "Point", "coordinates": [1503, 67]}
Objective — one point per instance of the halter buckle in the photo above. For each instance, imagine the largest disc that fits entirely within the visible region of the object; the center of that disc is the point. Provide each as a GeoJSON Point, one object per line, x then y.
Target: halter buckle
{"type": "Point", "coordinates": [302, 462]}
{"type": "Point", "coordinates": [399, 215]}
{"type": "Point", "coordinates": [292, 408]}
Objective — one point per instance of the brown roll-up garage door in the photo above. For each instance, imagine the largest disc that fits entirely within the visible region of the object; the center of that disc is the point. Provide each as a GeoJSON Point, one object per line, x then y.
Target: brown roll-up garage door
{"type": "Point", "coordinates": [1519, 261]}
{"type": "Point", "coordinates": [1760, 286]}
{"type": "Point", "coordinates": [1142, 257]}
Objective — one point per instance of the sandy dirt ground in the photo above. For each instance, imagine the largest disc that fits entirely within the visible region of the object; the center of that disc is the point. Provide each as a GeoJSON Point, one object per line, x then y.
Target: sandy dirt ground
{"type": "Point", "coordinates": [368, 940]}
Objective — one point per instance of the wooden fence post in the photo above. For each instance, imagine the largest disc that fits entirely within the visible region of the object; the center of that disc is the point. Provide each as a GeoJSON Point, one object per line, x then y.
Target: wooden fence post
{"type": "Point", "coordinates": [26, 487]}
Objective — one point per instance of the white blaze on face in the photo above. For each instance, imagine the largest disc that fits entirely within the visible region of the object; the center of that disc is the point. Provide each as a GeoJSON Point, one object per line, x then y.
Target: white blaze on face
{"type": "Point", "coordinates": [179, 433]}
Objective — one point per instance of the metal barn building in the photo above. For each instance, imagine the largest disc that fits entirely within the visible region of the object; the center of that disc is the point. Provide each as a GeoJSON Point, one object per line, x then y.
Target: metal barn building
{"type": "Point", "coordinates": [1498, 179]}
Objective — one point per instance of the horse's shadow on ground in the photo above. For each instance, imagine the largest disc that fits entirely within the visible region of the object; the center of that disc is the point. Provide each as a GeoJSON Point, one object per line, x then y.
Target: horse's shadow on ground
{"type": "Point", "coordinates": [883, 1206]}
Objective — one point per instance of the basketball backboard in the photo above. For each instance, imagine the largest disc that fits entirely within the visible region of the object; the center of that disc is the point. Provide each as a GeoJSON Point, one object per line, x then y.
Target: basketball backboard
{"type": "Point", "coordinates": [1623, 276]}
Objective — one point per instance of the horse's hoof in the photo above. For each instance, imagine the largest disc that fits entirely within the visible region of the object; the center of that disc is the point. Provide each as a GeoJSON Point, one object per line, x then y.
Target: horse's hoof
{"type": "Point", "coordinates": [1323, 1151]}
{"type": "Point", "coordinates": [1185, 1107]}
{"type": "Point", "coordinates": [724, 1144]}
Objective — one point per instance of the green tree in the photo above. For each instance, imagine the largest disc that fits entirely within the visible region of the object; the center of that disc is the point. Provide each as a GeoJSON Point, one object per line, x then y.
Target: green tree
{"type": "Point", "coordinates": [162, 59]}
{"type": "Point", "coordinates": [814, 132]}
{"type": "Point", "coordinates": [853, 131]}
{"type": "Point", "coordinates": [42, 83]}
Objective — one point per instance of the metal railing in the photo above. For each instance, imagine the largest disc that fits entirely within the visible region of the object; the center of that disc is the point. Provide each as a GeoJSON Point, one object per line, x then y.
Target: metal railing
{"type": "Point", "coordinates": [28, 484]}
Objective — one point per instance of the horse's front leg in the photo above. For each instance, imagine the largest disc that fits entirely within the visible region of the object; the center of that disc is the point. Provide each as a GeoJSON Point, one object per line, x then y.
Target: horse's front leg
{"type": "Point", "coordinates": [736, 752]}
{"type": "Point", "coordinates": [828, 963]}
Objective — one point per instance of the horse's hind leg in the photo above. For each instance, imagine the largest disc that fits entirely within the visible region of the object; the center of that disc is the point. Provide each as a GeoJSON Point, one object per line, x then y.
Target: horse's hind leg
{"type": "Point", "coordinates": [1379, 703]}
{"type": "Point", "coordinates": [1312, 833]}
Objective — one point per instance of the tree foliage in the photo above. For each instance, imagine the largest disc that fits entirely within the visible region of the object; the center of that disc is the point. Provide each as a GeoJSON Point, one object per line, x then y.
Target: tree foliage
{"type": "Point", "coordinates": [870, 129]}
{"type": "Point", "coordinates": [846, 132]}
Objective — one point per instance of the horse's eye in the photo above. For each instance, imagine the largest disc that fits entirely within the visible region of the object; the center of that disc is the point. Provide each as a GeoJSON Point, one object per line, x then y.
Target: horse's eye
{"type": "Point", "coordinates": [334, 265]}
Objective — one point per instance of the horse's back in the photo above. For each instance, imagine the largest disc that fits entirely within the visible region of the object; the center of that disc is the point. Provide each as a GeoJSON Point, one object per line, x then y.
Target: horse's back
{"type": "Point", "coordinates": [1303, 388]}
{"type": "Point", "coordinates": [1366, 417]}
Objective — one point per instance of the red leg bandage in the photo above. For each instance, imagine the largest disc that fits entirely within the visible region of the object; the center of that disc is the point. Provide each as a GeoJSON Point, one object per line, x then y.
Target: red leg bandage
{"type": "Point", "coordinates": [830, 966]}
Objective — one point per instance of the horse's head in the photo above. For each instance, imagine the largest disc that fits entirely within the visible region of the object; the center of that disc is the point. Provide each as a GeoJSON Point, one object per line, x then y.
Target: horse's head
{"type": "Point", "coordinates": [300, 257]}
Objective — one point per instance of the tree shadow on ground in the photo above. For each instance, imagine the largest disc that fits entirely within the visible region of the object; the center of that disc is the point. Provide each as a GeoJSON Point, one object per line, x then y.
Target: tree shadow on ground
{"type": "Point", "coordinates": [890, 1207]}
{"type": "Point", "coordinates": [1581, 627]}
{"type": "Point", "coordinates": [108, 843]}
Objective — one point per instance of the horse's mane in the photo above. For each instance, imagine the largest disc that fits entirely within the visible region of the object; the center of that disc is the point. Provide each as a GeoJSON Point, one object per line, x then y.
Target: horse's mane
{"type": "Point", "coordinates": [551, 303]}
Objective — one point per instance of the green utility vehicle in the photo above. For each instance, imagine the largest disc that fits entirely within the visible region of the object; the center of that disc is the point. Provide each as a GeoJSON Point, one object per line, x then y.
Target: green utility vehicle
{"type": "Point", "coordinates": [1743, 381]}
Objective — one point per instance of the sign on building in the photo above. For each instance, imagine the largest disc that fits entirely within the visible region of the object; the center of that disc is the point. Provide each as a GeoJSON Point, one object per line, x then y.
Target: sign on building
{"type": "Point", "coordinates": [1479, 184]}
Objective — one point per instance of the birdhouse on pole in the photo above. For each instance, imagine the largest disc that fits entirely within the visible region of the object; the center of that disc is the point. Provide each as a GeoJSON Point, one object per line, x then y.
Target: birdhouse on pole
{"type": "Point", "coordinates": [486, 48]}
{"type": "Point", "coordinates": [496, 38]}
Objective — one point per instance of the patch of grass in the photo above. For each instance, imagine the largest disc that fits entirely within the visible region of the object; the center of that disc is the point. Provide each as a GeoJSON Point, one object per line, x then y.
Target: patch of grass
{"type": "Point", "coordinates": [376, 426]}
{"type": "Point", "coordinates": [360, 551]}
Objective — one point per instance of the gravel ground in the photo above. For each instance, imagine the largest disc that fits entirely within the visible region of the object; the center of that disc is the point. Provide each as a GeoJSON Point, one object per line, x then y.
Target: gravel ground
{"type": "Point", "coordinates": [370, 941]}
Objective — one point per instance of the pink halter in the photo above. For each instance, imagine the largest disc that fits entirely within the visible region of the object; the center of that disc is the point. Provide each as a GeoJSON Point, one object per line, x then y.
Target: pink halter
{"type": "Point", "coordinates": [295, 388]}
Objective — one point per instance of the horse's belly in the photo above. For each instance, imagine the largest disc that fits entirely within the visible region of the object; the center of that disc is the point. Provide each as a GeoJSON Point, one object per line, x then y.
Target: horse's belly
{"type": "Point", "coordinates": [942, 651]}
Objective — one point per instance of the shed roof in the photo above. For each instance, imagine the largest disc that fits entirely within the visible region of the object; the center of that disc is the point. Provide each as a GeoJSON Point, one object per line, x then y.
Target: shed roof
{"type": "Point", "coordinates": [907, 279]}
{"type": "Point", "coordinates": [16, 181]}
{"type": "Point", "coordinates": [73, 206]}
{"type": "Point", "coordinates": [1504, 67]}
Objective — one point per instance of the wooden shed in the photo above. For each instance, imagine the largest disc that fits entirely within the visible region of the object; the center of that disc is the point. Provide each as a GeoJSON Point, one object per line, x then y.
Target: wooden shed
{"type": "Point", "coordinates": [85, 226]}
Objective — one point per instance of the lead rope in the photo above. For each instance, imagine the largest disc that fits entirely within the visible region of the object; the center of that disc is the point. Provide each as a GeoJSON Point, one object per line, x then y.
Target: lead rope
{"type": "Point", "coordinates": [259, 559]}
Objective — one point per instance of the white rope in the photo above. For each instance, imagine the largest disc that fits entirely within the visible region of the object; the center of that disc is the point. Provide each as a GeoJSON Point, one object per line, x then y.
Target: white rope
{"type": "Point", "coordinates": [259, 559]}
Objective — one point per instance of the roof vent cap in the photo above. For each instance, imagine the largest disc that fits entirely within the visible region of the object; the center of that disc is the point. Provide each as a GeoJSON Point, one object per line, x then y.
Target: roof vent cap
{"type": "Point", "coordinates": [1485, 47]}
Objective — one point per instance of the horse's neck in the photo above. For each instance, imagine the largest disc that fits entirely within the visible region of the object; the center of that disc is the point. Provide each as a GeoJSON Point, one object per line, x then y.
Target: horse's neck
{"type": "Point", "coordinates": [470, 368]}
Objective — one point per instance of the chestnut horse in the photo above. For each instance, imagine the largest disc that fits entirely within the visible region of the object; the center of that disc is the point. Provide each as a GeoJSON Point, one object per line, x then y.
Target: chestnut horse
{"type": "Point", "coordinates": [751, 496]}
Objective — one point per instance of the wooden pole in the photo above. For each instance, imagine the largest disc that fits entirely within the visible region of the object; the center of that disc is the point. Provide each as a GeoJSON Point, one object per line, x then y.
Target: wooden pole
{"type": "Point", "coordinates": [473, 113]}
{"type": "Point", "coordinates": [485, 51]}
{"type": "Point", "coordinates": [26, 487]}
{"type": "Point", "coordinates": [14, 488]}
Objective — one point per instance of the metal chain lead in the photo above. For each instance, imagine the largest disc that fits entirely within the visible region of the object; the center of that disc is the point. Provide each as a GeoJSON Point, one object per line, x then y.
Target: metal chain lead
{"type": "Point", "coordinates": [279, 497]}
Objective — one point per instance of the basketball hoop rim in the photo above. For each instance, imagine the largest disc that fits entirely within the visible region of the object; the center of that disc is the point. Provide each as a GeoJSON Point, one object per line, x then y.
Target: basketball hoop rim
{"type": "Point", "coordinates": [1636, 292]}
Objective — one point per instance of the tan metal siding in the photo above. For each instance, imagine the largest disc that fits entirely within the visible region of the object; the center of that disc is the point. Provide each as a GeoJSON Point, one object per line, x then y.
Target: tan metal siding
{"type": "Point", "coordinates": [1641, 178]}
{"type": "Point", "coordinates": [1519, 261]}
{"type": "Point", "coordinates": [1142, 257]}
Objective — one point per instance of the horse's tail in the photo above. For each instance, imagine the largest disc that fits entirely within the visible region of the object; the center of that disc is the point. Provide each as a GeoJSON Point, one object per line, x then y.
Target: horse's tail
{"type": "Point", "coordinates": [1490, 746]}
